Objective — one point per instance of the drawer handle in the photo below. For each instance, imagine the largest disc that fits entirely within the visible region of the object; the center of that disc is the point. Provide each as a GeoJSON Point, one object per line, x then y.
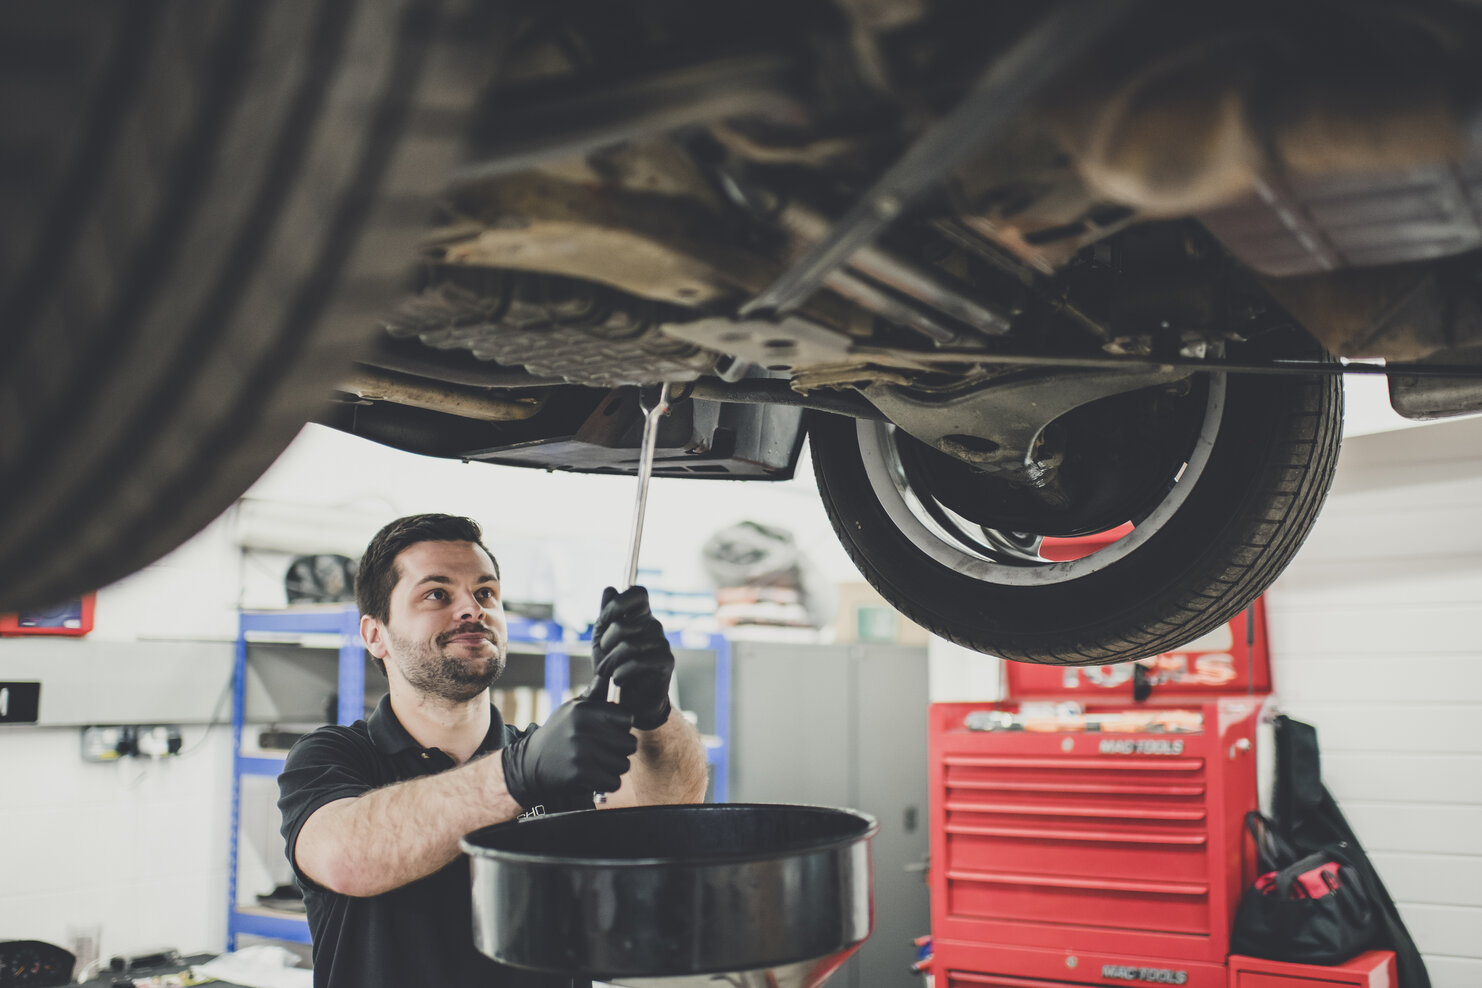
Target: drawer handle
{"type": "Point", "coordinates": [1084, 787]}
{"type": "Point", "coordinates": [1086, 884]}
{"type": "Point", "coordinates": [996, 980]}
{"type": "Point", "coordinates": [1150, 763]}
{"type": "Point", "coordinates": [1031, 809]}
{"type": "Point", "coordinates": [1102, 836]}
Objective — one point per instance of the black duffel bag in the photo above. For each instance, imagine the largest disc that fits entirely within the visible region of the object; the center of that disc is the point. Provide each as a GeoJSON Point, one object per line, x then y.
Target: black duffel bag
{"type": "Point", "coordinates": [1303, 908]}
{"type": "Point", "coordinates": [1308, 818]}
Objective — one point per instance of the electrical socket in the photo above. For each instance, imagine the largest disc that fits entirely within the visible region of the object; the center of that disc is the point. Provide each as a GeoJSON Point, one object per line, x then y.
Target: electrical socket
{"type": "Point", "coordinates": [101, 744]}
{"type": "Point", "coordinates": [158, 742]}
{"type": "Point", "coordinates": [109, 744]}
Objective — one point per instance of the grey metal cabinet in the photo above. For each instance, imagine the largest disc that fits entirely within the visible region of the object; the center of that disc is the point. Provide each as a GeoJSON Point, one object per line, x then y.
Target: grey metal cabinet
{"type": "Point", "coordinates": [844, 725]}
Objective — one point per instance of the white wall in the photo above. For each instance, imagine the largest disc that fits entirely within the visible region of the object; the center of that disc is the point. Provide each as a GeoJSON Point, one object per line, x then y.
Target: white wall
{"type": "Point", "coordinates": [1376, 638]}
{"type": "Point", "coordinates": [136, 846]}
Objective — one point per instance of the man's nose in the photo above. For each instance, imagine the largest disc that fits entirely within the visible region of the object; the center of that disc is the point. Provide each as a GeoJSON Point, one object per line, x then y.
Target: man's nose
{"type": "Point", "coordinates": [469, 606]}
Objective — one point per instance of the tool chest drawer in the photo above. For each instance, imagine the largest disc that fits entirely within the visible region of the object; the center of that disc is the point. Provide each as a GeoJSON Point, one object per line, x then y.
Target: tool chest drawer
{"type": "Point", "coordinates": [973, 965]}
{"type": "Point", "coordinates": [1371, 969]}
{"type": "Point", "coordinates": [1068, 823]}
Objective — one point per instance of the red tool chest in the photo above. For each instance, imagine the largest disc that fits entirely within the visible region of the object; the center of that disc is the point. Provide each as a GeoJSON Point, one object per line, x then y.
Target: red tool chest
{"type": "Point", "coordinates": [1078, 837]}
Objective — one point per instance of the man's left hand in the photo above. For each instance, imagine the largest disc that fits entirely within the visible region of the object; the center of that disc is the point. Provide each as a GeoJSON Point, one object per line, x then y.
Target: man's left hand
{"type": "Point", "coordinates": [629, 648]}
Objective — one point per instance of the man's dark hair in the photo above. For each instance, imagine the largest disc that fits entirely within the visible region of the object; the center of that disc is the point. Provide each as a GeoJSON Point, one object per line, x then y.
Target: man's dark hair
{"type": "Point", "coordinates": [377, 575]}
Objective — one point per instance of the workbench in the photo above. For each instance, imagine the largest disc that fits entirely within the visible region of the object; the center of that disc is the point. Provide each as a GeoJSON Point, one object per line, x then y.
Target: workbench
{"type": "Point", "coordinates": [107, 978]}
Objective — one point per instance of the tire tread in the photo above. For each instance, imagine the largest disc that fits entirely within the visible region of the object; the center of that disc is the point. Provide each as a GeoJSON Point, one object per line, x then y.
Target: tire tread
{"type": "Point", "coordinates": [166, 357]}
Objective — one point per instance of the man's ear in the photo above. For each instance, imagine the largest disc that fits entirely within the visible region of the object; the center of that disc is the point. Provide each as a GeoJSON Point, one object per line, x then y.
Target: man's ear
{"type": "Point", "coordinates": [374, 635]}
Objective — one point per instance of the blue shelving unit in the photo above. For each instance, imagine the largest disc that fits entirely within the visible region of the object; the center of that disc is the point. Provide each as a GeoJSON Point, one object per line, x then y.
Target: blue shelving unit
{"type": "Point", "coordinates": [283, 627]}
{"type": "Point", "coordinates": [343, 623]}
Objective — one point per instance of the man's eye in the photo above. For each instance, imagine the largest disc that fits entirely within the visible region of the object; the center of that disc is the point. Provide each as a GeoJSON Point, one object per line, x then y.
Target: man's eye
{"type": "Point", "coordinates": [487, 593]}
{"type": "Point", "coordinates": [437, 595]}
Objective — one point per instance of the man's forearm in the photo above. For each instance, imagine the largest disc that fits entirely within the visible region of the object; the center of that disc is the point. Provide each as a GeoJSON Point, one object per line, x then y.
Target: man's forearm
{"type": "Point", "coordinates": [669, 766]}
{"type": "Point", "coordinates": [388, 837]}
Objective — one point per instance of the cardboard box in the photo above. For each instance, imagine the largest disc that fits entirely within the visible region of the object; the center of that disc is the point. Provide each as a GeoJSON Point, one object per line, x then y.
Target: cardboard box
{"type": "Point", "coordinates": [864, 616]}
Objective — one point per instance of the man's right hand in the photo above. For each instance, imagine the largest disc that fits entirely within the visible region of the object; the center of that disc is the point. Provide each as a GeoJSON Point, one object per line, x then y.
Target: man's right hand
{"type": "Point", "coordinates": [583, 747]}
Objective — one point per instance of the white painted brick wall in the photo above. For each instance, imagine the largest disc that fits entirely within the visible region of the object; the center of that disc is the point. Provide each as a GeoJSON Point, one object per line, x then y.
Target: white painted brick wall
{"type": "Point", "coordinates": [1376, 639]}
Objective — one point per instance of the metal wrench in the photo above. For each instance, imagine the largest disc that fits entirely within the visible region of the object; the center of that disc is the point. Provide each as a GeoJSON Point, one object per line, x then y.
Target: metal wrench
{"type": "Point", "coordinates": [645, 471]}
{"type": "Point", "coordinates": [635, 537]}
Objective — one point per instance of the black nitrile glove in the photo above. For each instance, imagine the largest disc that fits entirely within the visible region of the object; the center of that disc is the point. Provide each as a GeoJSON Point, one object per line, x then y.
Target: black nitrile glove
{"type": "Point", "coordinates": [583, 747]}
{"type": "Point", "coordinates": [629, 648]}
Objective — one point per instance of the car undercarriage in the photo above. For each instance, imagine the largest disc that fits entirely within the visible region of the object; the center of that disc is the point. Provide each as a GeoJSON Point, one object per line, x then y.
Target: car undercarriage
{"type": "Point", "coordinates": [1020, 273]}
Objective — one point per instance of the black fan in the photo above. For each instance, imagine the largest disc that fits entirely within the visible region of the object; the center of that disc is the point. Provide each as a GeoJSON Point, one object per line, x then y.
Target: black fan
{"type": "Point", "coordinates": [322, 579]}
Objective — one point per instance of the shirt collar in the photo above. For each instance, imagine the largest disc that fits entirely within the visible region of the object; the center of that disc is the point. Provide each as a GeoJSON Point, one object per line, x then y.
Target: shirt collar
{"type": "Point", "coordinates": [391, 738]}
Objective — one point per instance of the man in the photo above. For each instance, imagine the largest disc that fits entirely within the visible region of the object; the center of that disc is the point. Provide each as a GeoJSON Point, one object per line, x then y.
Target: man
{"type": "Point", "coordinates": [373, 812]}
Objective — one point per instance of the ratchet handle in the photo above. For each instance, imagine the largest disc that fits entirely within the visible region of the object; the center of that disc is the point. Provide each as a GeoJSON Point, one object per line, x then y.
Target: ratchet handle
{"type": "Point", "coordinates": [602, 686]}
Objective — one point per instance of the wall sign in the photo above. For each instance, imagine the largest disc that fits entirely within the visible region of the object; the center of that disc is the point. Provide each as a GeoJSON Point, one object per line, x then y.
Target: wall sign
{"type": "Point", "coordinates": [72, 618]}
{"type": "Point", "coordinates": [19, 702]}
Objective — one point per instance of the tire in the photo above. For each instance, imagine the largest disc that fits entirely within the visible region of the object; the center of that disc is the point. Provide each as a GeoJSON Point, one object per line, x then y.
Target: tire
{"type": "Point", "coordinates": [1219, 536]}
{"type": "Point", "coordinates": [203, 208]}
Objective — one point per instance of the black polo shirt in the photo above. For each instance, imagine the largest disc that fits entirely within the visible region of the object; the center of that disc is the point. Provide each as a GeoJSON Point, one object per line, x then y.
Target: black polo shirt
{"type": "Point", "coordinates": [421, 933]}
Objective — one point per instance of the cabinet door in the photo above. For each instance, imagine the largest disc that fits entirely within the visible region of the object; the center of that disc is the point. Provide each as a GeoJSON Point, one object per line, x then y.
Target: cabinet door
{"type": "Point", "coordinates": [891, 784]}
{"type": "Point", "coordinates": [790, 719]}
{"type": "Point", "coordinates": [845, 725]}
